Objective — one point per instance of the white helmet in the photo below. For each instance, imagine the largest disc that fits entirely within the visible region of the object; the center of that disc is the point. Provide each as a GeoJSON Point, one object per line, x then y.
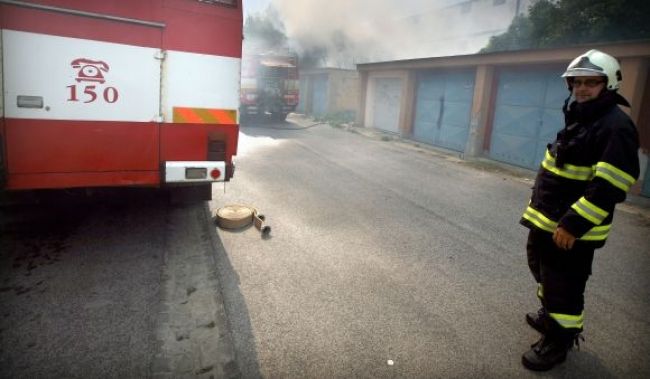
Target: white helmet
{"type": "Point", "coordinates": [596, 63]}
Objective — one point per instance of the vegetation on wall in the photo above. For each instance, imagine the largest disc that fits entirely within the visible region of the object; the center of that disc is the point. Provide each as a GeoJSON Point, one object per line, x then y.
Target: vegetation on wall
{"type": "Point", "coordinates": [558, 23]}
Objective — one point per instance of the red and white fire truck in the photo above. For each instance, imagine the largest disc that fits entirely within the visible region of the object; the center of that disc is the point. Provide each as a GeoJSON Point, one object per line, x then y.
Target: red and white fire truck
{"type": "Point", "coordinates": [269, 84]}
{"type": "Point", "coordinates": [107, 93]}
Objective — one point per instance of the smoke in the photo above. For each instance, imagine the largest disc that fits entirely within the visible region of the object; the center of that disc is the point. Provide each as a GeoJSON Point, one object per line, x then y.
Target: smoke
{"type": "Point", "coordinates": [264, 31]}
{"type": "Point", "coordinates": [342, 33]}
{"type": "Point", "coordinates": [346, 31]}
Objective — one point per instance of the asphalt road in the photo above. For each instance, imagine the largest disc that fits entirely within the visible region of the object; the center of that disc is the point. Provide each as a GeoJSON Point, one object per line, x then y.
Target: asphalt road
{"type": "Point", "coordinates": [79, 282]}
{"type": "Point", "coordinates": [387, 260]}
{"type": "Point", "coordinates": [120, 284]}
{"type": "Point", "coordinates": [380, 251]}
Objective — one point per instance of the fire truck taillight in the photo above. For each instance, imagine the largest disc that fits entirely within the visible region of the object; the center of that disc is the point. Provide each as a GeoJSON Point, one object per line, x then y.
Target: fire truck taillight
{"type": "Point", "coordinates": [291, 99]}
{"type": "Point", "coordinates": [215, 173]}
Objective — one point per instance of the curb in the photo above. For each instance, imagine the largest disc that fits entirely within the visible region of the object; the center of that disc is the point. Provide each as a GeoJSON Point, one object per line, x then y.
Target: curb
{"type": "Point", "coordinates": [193, 338]}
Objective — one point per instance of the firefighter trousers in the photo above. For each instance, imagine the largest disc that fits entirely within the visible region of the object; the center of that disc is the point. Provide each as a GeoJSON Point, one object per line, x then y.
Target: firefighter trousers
{"type": "Point", "coordinates": [561, 276]}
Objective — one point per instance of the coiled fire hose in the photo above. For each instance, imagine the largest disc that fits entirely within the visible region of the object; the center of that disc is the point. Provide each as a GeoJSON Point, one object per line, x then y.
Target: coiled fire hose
{"type": "Point", "coordinates": [236, 216]}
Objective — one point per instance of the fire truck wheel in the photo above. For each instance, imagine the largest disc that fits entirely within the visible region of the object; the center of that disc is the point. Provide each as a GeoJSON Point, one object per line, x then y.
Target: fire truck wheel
{"type": "Point", "coordinates": [279, 116]}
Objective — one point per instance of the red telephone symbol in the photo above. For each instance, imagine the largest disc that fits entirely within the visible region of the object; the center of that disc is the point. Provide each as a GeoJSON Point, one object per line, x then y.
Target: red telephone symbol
{"type": "Point", "coordinates": [89, 70]}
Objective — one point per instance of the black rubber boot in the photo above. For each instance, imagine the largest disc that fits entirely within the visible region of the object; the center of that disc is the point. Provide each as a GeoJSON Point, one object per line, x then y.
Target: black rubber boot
{"type": "Point", "coordinates": [552, 348]}
{"type": "Point", "coordinates": [537, 320]}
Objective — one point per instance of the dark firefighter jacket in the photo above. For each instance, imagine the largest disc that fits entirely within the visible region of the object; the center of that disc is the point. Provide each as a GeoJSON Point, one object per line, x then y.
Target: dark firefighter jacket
{"type": "Point", "coordinates": [587, 170]}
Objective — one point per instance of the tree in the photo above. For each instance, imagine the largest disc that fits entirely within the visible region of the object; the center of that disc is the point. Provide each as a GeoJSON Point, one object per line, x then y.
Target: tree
{"type": "Point", "coordinates": [557, 23]}
{"type": "Point", "coordinates": [260, 30]}
{"type": "Point", "coordinates": [264, 32]}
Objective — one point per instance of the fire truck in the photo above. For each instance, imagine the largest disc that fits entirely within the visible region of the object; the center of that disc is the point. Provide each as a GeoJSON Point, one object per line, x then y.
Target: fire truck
{"type": "Point", "coordinates": [119, 93]}
{"type": "Point", "coordinates": [269, 84]}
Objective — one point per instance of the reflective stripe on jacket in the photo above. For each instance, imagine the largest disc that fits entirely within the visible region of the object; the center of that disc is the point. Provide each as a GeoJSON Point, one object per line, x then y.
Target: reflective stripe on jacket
{"type": "Point", "coordinates": [599, 164]}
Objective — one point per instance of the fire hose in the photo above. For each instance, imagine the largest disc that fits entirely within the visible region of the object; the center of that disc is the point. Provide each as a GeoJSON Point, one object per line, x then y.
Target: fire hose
{"type": "Point", "coordinates": [238, 216]}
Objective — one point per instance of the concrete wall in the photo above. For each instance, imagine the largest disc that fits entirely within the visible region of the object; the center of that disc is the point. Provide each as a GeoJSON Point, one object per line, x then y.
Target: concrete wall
{"type": "Point", "coordinates": [342, 90]}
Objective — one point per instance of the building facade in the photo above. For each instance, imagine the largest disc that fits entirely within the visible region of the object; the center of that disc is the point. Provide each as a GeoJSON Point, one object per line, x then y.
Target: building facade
{"type": "Point", "coordinates": [504, 106]}
{"type": "Point", "coordinates": [329, 92]}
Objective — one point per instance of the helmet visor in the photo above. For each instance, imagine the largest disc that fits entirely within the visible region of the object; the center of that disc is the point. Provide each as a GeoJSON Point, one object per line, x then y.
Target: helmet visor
{"type": "Point", "coordinates": [582, 72]}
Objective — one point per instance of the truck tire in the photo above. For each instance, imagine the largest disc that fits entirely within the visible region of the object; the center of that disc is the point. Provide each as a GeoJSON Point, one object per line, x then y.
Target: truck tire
{"type": "Point", "coordinates": [279, 116]}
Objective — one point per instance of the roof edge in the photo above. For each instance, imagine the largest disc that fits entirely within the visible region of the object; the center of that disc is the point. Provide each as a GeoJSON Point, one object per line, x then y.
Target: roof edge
{"type": "Point", "coordinates": [621, 49]}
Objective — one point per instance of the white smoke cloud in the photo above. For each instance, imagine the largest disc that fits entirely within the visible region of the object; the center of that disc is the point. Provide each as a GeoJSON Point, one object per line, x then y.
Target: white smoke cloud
{"type": "Point", "coordinates": [376, 30]}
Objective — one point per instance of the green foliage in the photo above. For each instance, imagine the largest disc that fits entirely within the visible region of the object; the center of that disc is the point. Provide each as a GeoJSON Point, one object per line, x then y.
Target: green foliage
{"type": "Point", "coordinates": [516, 38]}
{"type": "Point", "coordinates": [557, 23]}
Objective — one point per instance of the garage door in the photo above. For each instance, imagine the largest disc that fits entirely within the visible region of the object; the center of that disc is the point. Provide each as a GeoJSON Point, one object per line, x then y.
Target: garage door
{"type": "Point", "coordinates": [443, 109]}
{"type": "Point", "coordinates": [386, 104]}
{"type": "Point", "coordinates": [528, 114]}
{"type": "Point", "coordinates": [302, 95]}
{"type": "Point", "coordinates": [319, 95]}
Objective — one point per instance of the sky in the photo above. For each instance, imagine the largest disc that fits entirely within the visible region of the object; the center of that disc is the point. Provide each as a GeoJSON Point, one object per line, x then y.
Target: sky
{"type": "Point", "coordinates": [255, 6]}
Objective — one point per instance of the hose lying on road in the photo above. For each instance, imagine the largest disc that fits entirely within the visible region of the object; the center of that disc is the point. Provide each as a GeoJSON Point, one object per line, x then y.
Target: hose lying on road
{"type": "Point", "coordinates": [236, 216]}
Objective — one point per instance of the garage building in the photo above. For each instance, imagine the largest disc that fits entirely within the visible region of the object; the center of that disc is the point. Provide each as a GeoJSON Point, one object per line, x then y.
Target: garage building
{"type": "Point", "coordinates": [504, 106]}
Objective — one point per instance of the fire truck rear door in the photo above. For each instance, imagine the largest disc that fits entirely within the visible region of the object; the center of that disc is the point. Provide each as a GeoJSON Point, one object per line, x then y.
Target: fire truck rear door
{"type": "Point", "coordinates": [81, 106]}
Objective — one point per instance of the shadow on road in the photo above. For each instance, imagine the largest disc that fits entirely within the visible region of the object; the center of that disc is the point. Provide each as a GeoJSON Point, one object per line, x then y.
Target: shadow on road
{"type": "Point", "coordinates": [79, 276]}
{"type": "Point", "coordinates": [236, 309]}
{"type": "Point", "coordinates": [47, 218]}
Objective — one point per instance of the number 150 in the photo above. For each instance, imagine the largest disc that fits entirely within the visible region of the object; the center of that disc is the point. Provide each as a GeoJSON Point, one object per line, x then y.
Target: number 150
{"type": "Point", "coordinates": [109, 94]}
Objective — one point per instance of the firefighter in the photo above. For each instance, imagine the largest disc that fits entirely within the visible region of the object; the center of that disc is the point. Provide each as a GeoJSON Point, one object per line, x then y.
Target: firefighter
{"type": "Point", "coordinates": [587, 170]}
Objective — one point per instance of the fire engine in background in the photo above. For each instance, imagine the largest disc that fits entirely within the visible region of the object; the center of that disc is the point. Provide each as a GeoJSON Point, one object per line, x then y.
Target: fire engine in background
{"type": "Point", "coordinates": [119, 93]}
{"type": "Point", "coordinates": [269, 84]}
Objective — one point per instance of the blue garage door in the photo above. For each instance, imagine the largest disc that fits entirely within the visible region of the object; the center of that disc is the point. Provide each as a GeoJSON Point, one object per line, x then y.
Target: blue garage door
{"type": "Point", "coordinates": [302, 95]}
{"type": "Point", "coordinates": [528, 114]}
{"type": "Point", "coordinates": [386, 104]}
{"type": "Point", "coordinates": [443, 109]}
{"type": "Point", "coordinates": [319, 95]}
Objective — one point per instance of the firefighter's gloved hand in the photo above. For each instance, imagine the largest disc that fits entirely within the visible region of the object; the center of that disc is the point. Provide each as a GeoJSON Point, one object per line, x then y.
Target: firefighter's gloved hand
{"type": "Point", "coordinates": [563, 239]}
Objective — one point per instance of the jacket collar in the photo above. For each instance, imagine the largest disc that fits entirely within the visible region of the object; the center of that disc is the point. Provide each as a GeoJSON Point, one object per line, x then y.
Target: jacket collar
{"type": "Point", "coordinates": [592, 110]}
